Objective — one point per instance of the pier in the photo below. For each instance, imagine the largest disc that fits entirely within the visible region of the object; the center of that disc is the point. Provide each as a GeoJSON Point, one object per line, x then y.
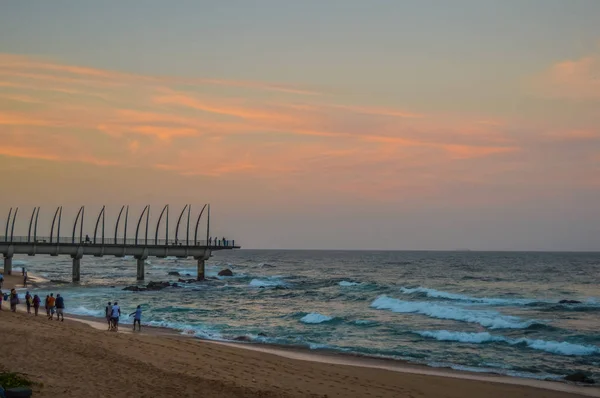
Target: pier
{"type": "Point", "coordinates": [140, 247]}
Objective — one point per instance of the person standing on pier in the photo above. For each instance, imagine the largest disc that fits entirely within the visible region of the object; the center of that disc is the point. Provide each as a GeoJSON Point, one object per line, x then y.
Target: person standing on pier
{"type": "Point", "coordinates": [60, 307]}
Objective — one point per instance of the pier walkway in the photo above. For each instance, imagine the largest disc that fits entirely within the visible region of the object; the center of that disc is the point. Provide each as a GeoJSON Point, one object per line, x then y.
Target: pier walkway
{"type": "Point", "coordinates": [139, 247]}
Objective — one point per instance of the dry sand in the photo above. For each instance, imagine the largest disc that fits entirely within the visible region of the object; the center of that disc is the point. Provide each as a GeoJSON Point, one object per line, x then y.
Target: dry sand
{"type": "Point", "coordinates": [74, 359]}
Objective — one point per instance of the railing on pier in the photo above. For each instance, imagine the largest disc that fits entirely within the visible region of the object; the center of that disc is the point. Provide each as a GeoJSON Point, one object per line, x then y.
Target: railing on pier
{"type": "Point", "coordinates": [143, 236]}
{"type": "Point", "coordinates": [113, 242]}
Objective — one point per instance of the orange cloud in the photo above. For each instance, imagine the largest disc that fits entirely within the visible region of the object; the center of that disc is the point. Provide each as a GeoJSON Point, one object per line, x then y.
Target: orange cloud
{"type": "Point", "coordinates": [572, 79]}
{"type": "Point", "coordinates": [108, 118]}
{"type": "Point", "coordinates": [11, 65]}
{"type": "Point", "coordinates": [470, 152]}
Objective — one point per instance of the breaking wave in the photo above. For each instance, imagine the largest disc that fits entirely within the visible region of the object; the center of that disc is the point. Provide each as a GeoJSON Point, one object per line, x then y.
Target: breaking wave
{"type": "Point", "coordinates": [554, 347]}
{"type": "Point", "coordinates": [315, 317]}
{"type": "Point", "coordinates": [432, 293]}
{"type": "Point", "coordinates": [488, 319]}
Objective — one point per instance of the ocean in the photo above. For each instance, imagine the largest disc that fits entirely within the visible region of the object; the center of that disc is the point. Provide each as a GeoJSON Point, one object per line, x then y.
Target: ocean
{"type": "Point", "coordinates": [497, 312]}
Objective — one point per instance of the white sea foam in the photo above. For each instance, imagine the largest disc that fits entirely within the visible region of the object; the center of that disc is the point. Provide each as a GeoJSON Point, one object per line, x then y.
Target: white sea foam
{"type": "Point", "coordinates": [191, 330]}
{"type": "Point", "coordinates": [460, 297]}
{"type": "Point", "coordinates": [348, 284]}
{"type": "Point", "coordinates": [363, 322]}
{"type": "Point", "coordinates": [81, 310]}
{"type": "Point", "coordinates": [554, 347]}
{"type": "Point", "coordinates": [266, 282]}
{"type": "Point", "coordinates": [315, 317]}
{"type": "Point", "coordinates": [489, 319]}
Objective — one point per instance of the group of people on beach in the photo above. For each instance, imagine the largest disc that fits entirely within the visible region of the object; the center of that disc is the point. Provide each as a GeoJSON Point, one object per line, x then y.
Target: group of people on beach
{"type": "Point", "coordinates": [53, 305]}
{"type": "Point", "coordinates": [113, 313]}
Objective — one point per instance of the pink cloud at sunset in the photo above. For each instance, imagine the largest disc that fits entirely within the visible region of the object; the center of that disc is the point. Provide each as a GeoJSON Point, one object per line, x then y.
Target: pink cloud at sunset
{"type": "Point", "coordinates": [577, 79]}
{"type": "Point", "coordinates": [107, 118]}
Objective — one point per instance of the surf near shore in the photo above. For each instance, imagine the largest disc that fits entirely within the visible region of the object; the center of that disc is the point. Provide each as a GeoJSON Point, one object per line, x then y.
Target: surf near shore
{"type": "Point", "coordinates": [77, 357]}
{"type": "Point", "coordinates": [163, 362]}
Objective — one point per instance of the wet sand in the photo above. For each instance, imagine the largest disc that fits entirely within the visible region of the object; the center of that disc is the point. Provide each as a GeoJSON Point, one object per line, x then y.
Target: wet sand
{"type": "Point", "coordinates": [79, 358]}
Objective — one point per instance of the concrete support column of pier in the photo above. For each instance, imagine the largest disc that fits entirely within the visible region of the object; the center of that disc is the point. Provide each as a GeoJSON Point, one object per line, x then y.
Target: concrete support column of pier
{"type": "Point", "coordinates": [76, 269]}
{"type": "Point", "coordinates": [8, 265]}
{"type": "Point", "coordinates": [201, 269]}
{"type": "Point", "coordinates": [141, 262]}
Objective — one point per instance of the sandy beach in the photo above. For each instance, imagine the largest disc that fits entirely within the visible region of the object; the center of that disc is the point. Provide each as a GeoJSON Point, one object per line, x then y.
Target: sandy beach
{"type": "Point", "coordinates": [77, 358]}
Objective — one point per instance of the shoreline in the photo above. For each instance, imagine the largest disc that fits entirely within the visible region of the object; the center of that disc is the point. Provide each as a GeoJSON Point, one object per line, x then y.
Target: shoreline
{"type": "Point", "coordinates": [327, 357]}
{"type": "Point", "coordinates": [355, 360]}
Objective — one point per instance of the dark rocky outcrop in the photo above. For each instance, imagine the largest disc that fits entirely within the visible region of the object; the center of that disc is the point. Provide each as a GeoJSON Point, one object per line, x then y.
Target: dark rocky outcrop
{"type": "Point", "coordinates": [242, 338]}
{"type": "Point", "coordinates": [174, 273]}
{"type": "Point", "coordinates": [226, 272]}
{"type": "Point", "coordinates": [152, 286]}
{"type": "Point", "coordinates": [569, 302]}
{"type": "Point", "coordinates": [580, 377]}
{"type": "Point", "coordinates": [134, 288]}
{"type": "Point", "coordinates": [58, 281]}
{"type": "Point", "coordinates": [261, 334]}
{"type": "Point", "coordinates": [186, 280]}
{"type": "Point", "coordinates": [157, 285]}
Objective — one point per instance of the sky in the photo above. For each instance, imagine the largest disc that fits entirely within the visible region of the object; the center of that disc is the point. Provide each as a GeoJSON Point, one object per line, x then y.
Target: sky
{"type": "Point", "coordinates": [337, 124]}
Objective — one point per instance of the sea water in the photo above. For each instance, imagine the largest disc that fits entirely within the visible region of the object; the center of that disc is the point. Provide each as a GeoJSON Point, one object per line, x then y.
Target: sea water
{"type": "Point", "coordinates": [475, 311]}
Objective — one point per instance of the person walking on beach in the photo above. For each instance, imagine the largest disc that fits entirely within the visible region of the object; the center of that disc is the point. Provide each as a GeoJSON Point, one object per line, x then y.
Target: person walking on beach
{"type": "Point", "coordinates": [28, 302]}
{"type": "Point", "coordinates": [47, 305]}
{"type": "Point", "coordinates": [25, 279]}
{"type": "Point", "coordinates": [137, 318]}
{"type": "Point", "coordinates": [116, 313]}
{"type": "Point", "coordinates": [1, 280]}
{"type": "Point", "coordinates": [14, 300]}
{"type": "Point", "coordinates": [60, 307]}
{"type": "Point", "coordinates": [108, 314]}
{"type": "Point", "coordinates": [1, 298]}
{"type": "Point", "coordinates": [51, 305]}
{"type": "Point", "coordinates": [36, 304]}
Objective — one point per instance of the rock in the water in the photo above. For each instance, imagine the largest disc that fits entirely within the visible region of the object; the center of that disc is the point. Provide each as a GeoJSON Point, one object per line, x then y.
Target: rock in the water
{"type": "Point", "coordinates": [134, 288]}
{"type": "Point", "coordinates": [242, 338]}
{"type": "Point", "coordinates": [226, 272]}
{"type": "Point", "coordinates": [261, 334]}
{"type": "Point", "coordinates": [58, 281]}
{"type": "Point", "coordinates": [174, 273]}
{"type": "Point", "coordinates": [580, 377]}
{"type": "Point", "coordinates": [569, 302]}
{"type": "Point", "coordinates": [157, 285]}
{"type": "Point", "coordinates": [186, 280]}
{"type": "Point", "coordinates": [188, 274]}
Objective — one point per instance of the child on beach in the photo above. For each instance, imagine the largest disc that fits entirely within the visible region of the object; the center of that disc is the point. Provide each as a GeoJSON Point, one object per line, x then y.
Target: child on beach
{"type": "Point", "coordinates": [138, 318]}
